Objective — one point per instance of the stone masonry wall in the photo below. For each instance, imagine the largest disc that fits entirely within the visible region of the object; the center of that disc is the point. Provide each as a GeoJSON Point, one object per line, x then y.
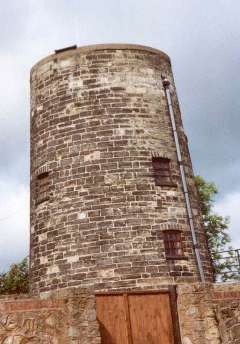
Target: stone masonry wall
{"type": "Point", "coordinates": [209, 314]}
{"type": "Point", "coordinates": [227, 307]}
{"type": "Point", "coordinates": [66, 317]}
{"type": "Point", "coordinates": [98, 116]}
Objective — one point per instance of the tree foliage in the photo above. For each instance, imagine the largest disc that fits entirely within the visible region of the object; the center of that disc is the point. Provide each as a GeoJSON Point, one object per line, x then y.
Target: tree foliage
{"type": "Point", "coordinates": [216, 227]}
{"type": "Point", "coordinates": [16, 280]}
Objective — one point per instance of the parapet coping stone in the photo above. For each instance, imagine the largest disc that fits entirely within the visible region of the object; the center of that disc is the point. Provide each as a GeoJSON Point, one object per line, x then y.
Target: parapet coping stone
{"type": "Point", "coordinates": [97, 47]}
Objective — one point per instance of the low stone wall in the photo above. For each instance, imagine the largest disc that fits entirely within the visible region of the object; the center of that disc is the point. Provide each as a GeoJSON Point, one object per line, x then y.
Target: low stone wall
{"type": "Point", "coordinates": [209, 313]}
{"type": "Point", "coordinates": [196, 315]}
{"type": "Point", "coordinates": [61, 317]}
{"type": "Point", "coordinates": [226, 298]}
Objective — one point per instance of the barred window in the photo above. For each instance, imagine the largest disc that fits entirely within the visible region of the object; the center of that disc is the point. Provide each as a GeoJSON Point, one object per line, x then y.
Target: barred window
{"type": "Point", "coordinates": [162, 171]}
{"type": "Point", "coordinates": [42, 187]}
{"type": "Point", "coordinates": [173, 244]}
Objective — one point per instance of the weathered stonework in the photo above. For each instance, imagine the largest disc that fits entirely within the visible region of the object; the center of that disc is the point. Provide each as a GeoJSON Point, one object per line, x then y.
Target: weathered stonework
{"type": "Point", "coordinates": [66, 317]}
{"type": "Point", "coordinates": [226, 298]}
{"type": "Point", "coordinates": [209, 314]}
{"type": "Point", "coordinates": [196, 314]}
{"type": "Point", "coordinates": [98, 115]}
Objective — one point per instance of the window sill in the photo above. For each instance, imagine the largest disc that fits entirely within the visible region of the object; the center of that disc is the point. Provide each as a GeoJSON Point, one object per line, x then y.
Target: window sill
{"type": "Point", "coordinates": [167, 184]}
{"type": "Point", "coordinates": [177, 258]}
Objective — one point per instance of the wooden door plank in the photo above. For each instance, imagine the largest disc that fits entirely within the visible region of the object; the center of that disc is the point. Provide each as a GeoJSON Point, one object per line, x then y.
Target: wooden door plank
{"type": "Point", "coordinates": [112, 317]}
{"type": "Point", "coordinates": [128, 319]}
{"type": "Point", "coordinates": [174, 311]}
{"type": "Point", "coordinates": [151, 320]}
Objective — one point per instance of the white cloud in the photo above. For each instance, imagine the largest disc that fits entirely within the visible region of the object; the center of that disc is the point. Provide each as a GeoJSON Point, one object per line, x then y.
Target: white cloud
{"type": "Point", "coordinates": [14, 221]}
{"type": "Point", "coordinates": [229, 206]}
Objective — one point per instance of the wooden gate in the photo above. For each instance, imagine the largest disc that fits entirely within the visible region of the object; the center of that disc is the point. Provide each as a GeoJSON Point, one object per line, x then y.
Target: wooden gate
{"type": "Point", "coordinates": [137, 318]}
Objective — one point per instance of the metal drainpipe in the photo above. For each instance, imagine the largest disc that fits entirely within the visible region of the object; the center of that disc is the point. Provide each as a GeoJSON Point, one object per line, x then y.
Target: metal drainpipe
{"type": "Point", "coordinates": [166, 85]}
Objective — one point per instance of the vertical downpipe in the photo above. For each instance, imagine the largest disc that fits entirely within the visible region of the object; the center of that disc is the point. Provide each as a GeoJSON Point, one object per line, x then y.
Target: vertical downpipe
{"type": "Point", "coordinates": [166, 85]}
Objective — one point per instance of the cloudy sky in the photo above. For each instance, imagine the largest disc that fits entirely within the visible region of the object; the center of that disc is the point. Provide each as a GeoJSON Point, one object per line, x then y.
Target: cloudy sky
{"type": "Point", "coordinates": [203, 41]}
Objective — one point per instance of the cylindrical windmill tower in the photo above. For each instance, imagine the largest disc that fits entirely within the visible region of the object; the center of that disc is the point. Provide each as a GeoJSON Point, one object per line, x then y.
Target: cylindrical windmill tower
{"type": "Point", "coordinates": [113, 200]}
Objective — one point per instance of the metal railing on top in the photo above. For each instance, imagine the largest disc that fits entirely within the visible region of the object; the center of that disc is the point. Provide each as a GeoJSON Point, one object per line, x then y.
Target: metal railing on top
{"type": "Point", "coordinates": [227, 265]}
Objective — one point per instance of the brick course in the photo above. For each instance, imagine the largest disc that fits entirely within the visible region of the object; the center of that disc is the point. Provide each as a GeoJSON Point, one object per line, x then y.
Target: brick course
{"type": "Point", "coordinates": [98, 115]}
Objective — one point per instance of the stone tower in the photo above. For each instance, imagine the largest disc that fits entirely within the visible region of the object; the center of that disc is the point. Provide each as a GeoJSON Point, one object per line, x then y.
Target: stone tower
{"type": "Point", "coordinates": [108, 198]}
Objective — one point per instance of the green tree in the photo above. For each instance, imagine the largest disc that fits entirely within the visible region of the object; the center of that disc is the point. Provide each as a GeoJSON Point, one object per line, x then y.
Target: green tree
{"type": "Point", "coordinates": [16, 280]}
{"type": "Point", "coordinates": [216, 227]}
